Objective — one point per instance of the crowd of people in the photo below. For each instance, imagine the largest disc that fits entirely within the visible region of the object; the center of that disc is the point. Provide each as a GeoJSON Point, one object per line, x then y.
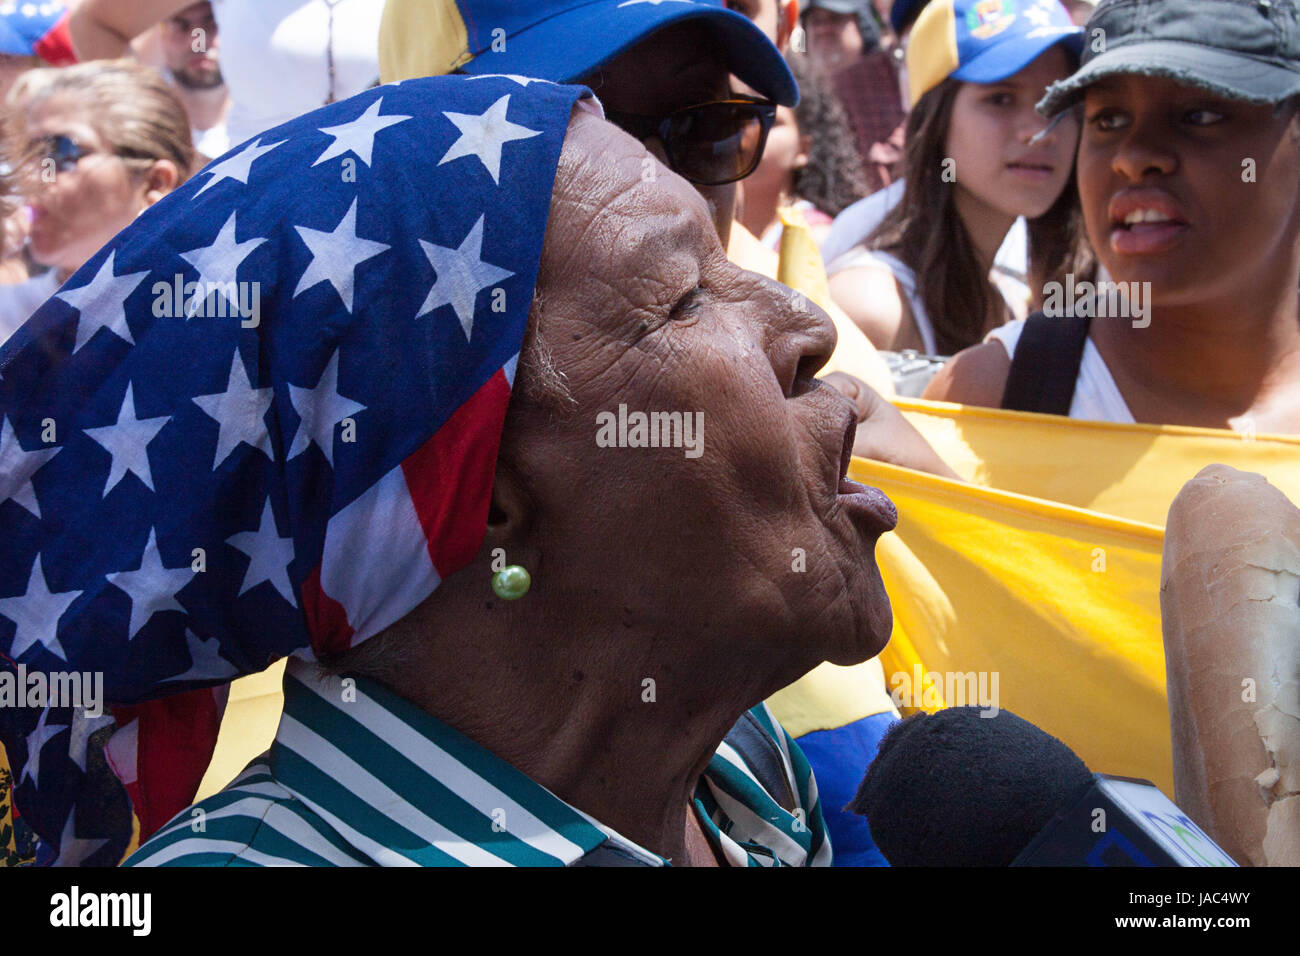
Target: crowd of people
{"type": "Point", "coordinates": [956, 164]}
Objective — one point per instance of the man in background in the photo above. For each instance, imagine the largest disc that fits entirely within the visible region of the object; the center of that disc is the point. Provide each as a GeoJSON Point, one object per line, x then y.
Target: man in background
{"type": "Point", "coordinates": [840, 31]}
{"type": "Point", "coordinates": [844, 42]}
{"type": "Point", "coordinates": [189, 47]}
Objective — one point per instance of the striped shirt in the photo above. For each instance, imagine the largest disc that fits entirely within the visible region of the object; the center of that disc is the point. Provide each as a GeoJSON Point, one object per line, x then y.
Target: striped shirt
{"type": "Point", "coordinates": [358, 776]}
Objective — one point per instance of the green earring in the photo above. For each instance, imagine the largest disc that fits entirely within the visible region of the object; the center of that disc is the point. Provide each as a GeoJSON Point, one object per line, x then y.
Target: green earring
{"type": "Point", "coordinates": [511, 583]}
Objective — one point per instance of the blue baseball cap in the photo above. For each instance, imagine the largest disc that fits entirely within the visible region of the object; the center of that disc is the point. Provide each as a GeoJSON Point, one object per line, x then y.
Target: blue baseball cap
{"type": "Point", "coordinates": [983, 41]}
{"type": "Point", "coordinates": [562, 40]}
{"type": "Point", "coordinates": [36, 29]}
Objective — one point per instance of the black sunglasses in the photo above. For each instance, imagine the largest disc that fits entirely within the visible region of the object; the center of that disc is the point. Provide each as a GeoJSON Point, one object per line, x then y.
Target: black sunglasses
{"type": "Point", "coordinates": [65, 151]}
{"type": "Point", "coordinates": [710, 143]}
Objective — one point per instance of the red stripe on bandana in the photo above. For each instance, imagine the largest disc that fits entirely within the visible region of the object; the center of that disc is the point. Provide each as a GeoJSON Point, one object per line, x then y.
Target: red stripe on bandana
{"type": "Point", "coordinates": [327, 619]}
{"type": "Point", "coordinates": [450, 476]}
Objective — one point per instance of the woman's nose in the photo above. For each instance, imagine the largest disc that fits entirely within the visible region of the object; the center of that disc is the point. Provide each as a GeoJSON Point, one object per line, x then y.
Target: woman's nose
{"type": "Point", "coordinates": [802, 341]}
{"type": "Point", "coordinates": [1143, 149]}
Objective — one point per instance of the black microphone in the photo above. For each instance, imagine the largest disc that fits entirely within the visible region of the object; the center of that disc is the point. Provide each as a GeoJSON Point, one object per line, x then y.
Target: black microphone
{"type": "Point", "coordinates": [958, 789]}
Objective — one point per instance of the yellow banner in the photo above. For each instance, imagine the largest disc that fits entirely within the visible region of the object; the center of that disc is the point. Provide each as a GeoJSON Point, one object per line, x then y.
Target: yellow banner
{"type": "Point", "coordinates": [1129, 471]}
{"type": "Point", "coordinates": [1046, 610]}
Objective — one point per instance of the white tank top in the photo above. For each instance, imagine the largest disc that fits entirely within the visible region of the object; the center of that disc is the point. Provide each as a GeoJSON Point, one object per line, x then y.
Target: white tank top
{"type": "Point", "coordinates": [1010, 287]}
{"type": "Point", "coordinates": [273, 57]}
{"type": "Point", "coordinates": [906, 279]}
{"type": "Point", "coordinates": [1096, 396]}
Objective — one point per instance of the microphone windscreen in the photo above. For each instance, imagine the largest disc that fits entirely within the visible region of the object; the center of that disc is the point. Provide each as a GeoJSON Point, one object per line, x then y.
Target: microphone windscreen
{"type": "Point", "coordinates": [957, 789]}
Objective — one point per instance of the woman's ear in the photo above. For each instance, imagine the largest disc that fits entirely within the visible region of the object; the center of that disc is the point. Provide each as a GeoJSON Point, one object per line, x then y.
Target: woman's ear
{"type": "Point", "coordinates": [510, 511]}
{"type": "Point", "coordinates": [160, 179]}
{"type": "Point", "coordinates": [805, 151]}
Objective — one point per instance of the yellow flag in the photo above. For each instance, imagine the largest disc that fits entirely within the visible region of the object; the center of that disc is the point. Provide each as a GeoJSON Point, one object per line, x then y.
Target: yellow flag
{"type": "Point", "coordinates": [247, 727]}
{"type": "Point", "coordinates": [801, 266]}
{"type": "Point", "coordinates": [1045, 570]}
{"type": "Point", "coordinates": [1046, 610]}
{"type": "Point", "coordinates": [1130, 471]}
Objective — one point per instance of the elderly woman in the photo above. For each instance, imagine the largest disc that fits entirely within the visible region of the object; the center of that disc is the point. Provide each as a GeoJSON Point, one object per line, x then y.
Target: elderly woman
{"type": "Point", "coordinates": [344, 481]}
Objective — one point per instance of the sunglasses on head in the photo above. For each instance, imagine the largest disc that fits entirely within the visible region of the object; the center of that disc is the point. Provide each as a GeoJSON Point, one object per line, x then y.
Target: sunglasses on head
{"type": "Point", "coordinates": [708, 144]}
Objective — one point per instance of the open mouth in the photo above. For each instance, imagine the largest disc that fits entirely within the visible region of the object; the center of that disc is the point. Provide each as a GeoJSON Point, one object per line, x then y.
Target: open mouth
{"type": "Point", "coordinates": [869, 507]}
{"type": "Point", "coordinates": [1145, 221]}
{"type": "Point", "coordinates": [846, 454]}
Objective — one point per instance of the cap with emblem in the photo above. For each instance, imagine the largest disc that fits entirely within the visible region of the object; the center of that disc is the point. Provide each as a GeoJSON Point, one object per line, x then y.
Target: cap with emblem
{"type": "Point", "coordinates": [983, 41]}
{"type": "Point", "coordinates": [562, 40]}
{"type": "Point", "coordinates": [1238, 49]}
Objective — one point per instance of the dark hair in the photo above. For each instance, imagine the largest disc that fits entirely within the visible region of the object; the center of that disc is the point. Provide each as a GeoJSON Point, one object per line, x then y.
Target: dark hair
{"type": "Point", "coordinates": [833, 178]}
{"type": "Point", "coordinates": [925, 231]}
{"type": "Point", "coordinates": [1058, 244]}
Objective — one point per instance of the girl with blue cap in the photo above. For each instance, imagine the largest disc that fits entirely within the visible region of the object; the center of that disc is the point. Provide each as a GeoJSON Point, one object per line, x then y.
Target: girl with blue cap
{"type": "Point", "coordinates": [972, 164]}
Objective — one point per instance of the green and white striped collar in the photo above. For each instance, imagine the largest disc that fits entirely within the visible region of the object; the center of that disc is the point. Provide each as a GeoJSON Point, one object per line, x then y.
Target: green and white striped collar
{"type": "Point", "coordinates": [403, 788]}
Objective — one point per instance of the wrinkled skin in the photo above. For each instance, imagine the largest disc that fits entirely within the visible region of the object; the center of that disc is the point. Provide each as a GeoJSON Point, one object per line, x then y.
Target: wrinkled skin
{"type": "Point", "coordinates": [647, 564]}
{"type": "Point", "coordinates": [658, 318]}
{"type": "Point", "coordinates": [681, 66]}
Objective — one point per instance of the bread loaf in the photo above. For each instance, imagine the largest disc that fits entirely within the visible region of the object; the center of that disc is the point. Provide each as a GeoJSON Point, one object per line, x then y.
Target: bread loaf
{"type": "Point", "coordinates": [1230, 607]}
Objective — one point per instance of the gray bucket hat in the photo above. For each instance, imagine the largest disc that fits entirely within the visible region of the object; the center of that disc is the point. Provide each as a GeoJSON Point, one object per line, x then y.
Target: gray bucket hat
{"type": "Point", "coordinates": [1238, 49]}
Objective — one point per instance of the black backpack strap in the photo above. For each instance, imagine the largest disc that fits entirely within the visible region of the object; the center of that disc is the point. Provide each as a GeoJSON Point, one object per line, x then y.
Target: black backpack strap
{"type": "Point", "coordinates": [1045, 368]}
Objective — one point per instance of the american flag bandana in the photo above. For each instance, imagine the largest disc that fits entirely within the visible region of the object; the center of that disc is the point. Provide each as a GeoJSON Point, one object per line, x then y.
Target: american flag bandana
{"type": "Point", "coordinates": [262, 421]}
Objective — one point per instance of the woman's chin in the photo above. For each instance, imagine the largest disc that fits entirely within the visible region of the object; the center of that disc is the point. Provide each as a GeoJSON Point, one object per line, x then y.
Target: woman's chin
{"type": "Point", "coordinates": [1033, 206]}
{"type": "Point", "coordinates": [868, 631]}
{"type": "Point", "coordinates": [46, 252]}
